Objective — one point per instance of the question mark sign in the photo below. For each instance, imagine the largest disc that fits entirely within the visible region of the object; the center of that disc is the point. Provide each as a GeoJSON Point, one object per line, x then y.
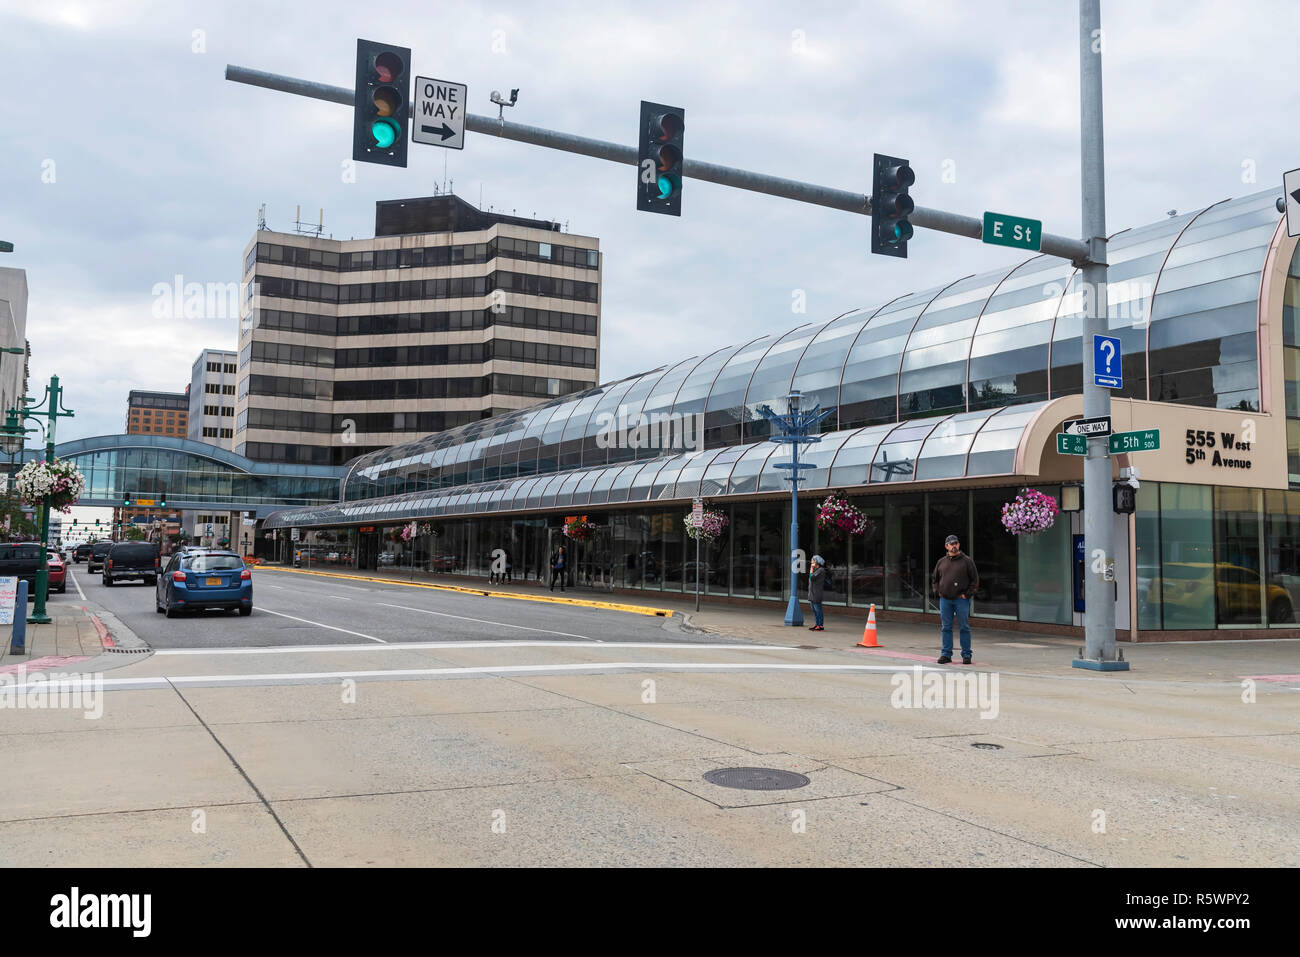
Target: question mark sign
{"type": "Point", "coordinates": [1108, 347]}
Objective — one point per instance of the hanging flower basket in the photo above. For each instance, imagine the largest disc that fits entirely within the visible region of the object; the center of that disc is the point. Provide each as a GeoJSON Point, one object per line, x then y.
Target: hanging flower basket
{"type": "Point", "coordinates": [427, 529]}
{"type": "Point", "coordinates": [59, 483]}
{"type": "Point", "coordinates": [838, 516]}
{"type": "Point", "coordinates": [577, 528]}
{"type": "Point", "coordinates": [1031, 512]}
{"type": "Point", "coordinates": [710, 526]}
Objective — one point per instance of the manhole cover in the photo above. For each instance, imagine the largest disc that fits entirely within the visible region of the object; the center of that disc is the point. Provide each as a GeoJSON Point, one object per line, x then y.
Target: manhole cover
{"type": "Point", "coordinates": [986, 745]}
{"type": "Point", "coordinates": [755, 779]}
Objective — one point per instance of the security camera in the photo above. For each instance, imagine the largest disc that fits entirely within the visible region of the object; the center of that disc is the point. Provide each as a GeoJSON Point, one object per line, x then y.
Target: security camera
{"type": "Point", "coordinates": [500, 100]}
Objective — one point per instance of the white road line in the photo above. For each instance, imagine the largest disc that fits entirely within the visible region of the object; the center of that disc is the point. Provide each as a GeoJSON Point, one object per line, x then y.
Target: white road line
{"type": "Point", "coordinates": [325, 677]}
{"type": "Point", "coordinates": [78, 584]}
{"type": "Point", "coordinates": [269, 585]}
{"type": "Point", "coordinates": [320, 624]}
{"type": "Point", "coordinates": [454, 645]}
{"type": "Point", "coordinates": [484, 621]}
{"type": "Point", "coordinates": [339, 597]}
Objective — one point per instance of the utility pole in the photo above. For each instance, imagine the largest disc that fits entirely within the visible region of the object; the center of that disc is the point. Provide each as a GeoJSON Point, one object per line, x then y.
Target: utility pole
{"type": "Point", "coordinates": [1099, 653]}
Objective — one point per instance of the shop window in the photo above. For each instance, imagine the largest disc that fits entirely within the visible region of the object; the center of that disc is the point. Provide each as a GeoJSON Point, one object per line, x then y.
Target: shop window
{"type": "Point", "coordinates": [1238, 546]}
{"type": "Point", "coordinates": [906, 576]}
{"type": "Point", "coordinates": [997, 553]}
{"type": "Point", "coordinates": [1186, 581]}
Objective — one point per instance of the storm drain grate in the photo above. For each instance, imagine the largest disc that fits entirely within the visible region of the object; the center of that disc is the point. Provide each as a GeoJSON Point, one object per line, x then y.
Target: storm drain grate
{"type": "Point", "coordinates": [755, 779]}
{"type": "Point", "coordinates": [986, 746]}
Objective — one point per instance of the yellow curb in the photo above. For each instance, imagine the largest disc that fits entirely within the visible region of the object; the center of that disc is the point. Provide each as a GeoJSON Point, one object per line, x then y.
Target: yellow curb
{"type": "Point", "coordinates": [608, 605]}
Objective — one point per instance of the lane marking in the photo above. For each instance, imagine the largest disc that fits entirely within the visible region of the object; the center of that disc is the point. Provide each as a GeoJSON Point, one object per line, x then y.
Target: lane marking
{"type": "Point", "coordinates": [453, 645]}
{"type": "Point", "coordinates": [321, 624]}
{"type": "Point", "coordinates": [339, 597]}
{"type": "Point", "coordinates": [485, 592]}
{"type": "Point", "coordinates": [78, 584]}
{"type": "Point", "coordinates": [484, 621]}
{"type": "Point", "coordinates": [326, 677]}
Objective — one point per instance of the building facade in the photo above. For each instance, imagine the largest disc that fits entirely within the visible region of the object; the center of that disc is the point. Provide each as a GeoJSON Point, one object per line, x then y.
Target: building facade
{"type": "Point", "coordinates": [447, 316]}
{"type": "Point", "coordinates": [13, 335]}
{"type": "Point", "coordinates": [212, 398]}
{"type": "Point", "coordinates": [947, 403]}
{"type": "Point", "coordinates": [157, 413]}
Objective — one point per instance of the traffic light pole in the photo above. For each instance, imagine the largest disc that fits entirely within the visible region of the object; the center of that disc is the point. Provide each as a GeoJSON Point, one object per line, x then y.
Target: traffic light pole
{"type": "Point", "coordinates": [1099, 653]}
{"type": "Point", "coordinates": [1061, 247]}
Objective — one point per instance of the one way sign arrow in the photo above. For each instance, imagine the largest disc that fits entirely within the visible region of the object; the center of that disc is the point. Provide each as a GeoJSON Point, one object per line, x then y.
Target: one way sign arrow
{"type": "Point", "coordinates": [445, 132]}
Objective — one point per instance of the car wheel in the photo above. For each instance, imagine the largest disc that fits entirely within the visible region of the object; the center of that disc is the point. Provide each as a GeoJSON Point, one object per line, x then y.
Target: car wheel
{"type": "Point", "coordinates": [245, 612]}
{"type": "Point", "coordinates": [63, 588]}
{"type": "Point", "coordinates": [1280, 610]}
{"type": "Point", "coordinates": [152, 582]}
{"type": "Point", "coordinates": [108, 581]}
{"type": "Point", "coordinates": [157, 607]}
{"type": "Point", "coordinates": [171, 612]}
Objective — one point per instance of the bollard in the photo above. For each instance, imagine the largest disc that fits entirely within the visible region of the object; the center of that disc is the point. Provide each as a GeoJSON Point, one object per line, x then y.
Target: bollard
{"type": "Point", "coordinates": [18, 645]}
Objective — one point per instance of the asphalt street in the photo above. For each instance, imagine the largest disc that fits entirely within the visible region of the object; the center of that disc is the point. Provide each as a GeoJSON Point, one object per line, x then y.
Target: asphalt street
{"type": "Point", "coordinates": [298, 609]}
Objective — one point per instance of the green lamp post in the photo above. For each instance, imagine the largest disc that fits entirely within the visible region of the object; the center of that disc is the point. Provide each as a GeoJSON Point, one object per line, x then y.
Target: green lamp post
{"type": "Point", "coordinates": [53, 411]}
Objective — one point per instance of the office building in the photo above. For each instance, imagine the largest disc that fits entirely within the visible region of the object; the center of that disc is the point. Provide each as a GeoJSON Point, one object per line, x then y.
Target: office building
{"type": "Point", "coordinates": [212, 398]}
{"type": "Point", "coordinates": [447, 316]}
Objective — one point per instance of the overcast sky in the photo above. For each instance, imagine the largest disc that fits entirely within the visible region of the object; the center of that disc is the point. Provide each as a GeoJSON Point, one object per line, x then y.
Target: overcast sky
{"type": "Point", "coordinates": [127, 159]}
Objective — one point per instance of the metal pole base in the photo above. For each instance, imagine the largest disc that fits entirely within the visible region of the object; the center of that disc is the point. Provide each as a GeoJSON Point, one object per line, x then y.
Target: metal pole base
{"type": "Point", "coordinates": [38, 619]}
{"type": "Point", "coordinates": [793, 613]}
{"type": "Point", "coordinates": [1096, 664]}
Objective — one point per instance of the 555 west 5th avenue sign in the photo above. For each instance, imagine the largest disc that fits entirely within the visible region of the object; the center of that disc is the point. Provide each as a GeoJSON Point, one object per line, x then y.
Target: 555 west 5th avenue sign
{"type": "Point", "coordinates": [1220, 448]}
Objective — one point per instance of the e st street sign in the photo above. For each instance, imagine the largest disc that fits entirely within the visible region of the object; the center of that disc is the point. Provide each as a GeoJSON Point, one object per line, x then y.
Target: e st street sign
{"type": "Point", "coordinates": [1014, 231]}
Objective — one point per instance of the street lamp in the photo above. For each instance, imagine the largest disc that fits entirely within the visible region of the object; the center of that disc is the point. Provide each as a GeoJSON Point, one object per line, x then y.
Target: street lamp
{"type": "Point", "coordinates": [53, 411]}
{"type": "Point", "coordinates": [795, 428]}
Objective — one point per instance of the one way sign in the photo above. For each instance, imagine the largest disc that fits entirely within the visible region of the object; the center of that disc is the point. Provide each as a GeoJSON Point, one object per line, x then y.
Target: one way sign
{"type": "Point", "coordinates": [439, 117]}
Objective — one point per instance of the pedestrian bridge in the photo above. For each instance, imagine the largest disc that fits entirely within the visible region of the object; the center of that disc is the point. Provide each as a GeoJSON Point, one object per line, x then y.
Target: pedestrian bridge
{"type": "Point", "coordinates": [192, 475]}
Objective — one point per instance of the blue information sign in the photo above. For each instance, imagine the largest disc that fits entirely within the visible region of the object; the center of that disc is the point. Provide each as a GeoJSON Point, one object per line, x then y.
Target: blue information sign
{"type": "Point", "coordinates": [1106, 368]}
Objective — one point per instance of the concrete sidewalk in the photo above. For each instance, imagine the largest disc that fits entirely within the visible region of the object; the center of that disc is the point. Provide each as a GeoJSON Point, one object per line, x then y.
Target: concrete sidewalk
{"type": "Point", "coordinates": [903, 643]}
{"type": "Point", "coordinates": [76, 639]}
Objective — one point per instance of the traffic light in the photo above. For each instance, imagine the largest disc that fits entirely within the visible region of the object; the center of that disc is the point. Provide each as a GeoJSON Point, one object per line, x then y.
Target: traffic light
{"type": "Point", "coordinates": [659, 159]}
{"type": "Point", "coordinates": [1125, 498]}
{"type": "Point", "coordinates": [162, 503]}
{"type": "Point", "coordinates": [891, 205]}
{"type": "Point", "coordinates": [126, 499]}
{"type": "Point", "coordinates": [380, 103]}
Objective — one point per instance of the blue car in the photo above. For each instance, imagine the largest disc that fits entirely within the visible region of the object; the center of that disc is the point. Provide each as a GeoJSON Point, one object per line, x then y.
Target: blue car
{"type": "Point", "coordinates": [204, 578]}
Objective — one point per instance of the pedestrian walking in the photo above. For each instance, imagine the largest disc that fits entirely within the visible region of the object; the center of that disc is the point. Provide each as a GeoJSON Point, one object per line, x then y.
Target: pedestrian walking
{"type": "Point", "coordinates": [509, 576]}
{"type": "Point", "coordinates": [558, 562]}
{"type": "Point", "coordinates": [954, 581]}
{"type": "Point", "coordinates": [816, 590]}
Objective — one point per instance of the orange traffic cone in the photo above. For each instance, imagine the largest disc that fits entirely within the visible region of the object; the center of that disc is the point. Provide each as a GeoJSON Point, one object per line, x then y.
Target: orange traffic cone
{"type": "Point", "coordinates": [869, 632]}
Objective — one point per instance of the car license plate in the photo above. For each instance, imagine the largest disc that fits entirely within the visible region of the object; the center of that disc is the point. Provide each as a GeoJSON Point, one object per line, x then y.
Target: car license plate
{"type": "Point", "coordinates": [212, 581]}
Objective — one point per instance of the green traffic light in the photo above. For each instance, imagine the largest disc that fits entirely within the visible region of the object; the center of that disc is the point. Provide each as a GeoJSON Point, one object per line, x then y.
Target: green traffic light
{"type": "Point", "coordinates": [384, 132]}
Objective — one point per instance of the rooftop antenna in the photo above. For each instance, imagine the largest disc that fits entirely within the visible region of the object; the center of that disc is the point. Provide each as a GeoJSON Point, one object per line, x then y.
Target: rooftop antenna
{"type": "Point", "coordinates": [308, 229]}
{"type": "Point", "coordinates": [261, 217]}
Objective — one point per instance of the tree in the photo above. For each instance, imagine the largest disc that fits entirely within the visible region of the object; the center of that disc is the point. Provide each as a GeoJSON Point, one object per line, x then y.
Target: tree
{"type": "Point", "coordinates": [133, 534]}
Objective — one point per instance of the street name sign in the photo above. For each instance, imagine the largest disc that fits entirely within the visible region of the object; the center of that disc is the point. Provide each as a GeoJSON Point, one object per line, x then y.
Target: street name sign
{"type": "Point", "coordinates": [1098, 426]}
{"type": "Point", "coordinates": [1071, 444]}
{"type": "Point", "coordinates": [1106, 368]}
{"type": "Point", "coordinates": [439, 118]}
{"type": "Point", "coordinates": [697, 510]}
{"type": "Point", "coordinates": [1291, 187]}
{"type": "Point", "coordinates": [1015, 231]}
{"type": "Point", "coordinates": [1144, 440]}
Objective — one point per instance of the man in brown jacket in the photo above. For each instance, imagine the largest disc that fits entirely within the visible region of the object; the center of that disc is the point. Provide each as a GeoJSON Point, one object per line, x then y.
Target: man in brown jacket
{"type": "Point", "coordinates": [955, 580]}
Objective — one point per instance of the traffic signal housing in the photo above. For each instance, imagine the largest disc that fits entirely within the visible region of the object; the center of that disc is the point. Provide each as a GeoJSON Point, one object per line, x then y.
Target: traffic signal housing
{"type": "Point", "coordinates": [891, 205]}
{"type": "Point", "coordinates": [659, 159]}
{"type": "Point", "coordinates": [1124, 498]}
{"type": "Point", "coordinates": [126, 500]}
{"type": "Point", "coordinates": [380, 105]}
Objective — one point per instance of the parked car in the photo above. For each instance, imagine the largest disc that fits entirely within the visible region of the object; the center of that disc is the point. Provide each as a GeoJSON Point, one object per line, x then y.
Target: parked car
{"type": "Point", "coordinates": [58, 572]}
{"type": "Point", "coordinates": [81, 552]}
{"type": "Point", "coordinates": [128, 560]}
{"type": "Point", "coordinates": [1195, 586]}
{"type": "Point", "coordinates": [21, 560]}
{"type": "Point", "coordinates": [98, 555]}
{"type": "Point", "coordinates": [204, 579]}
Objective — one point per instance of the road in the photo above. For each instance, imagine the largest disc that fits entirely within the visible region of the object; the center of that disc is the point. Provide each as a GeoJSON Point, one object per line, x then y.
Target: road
{"type": "Point", "coordinates": [391, 725]}
{"type": "Point", "coordinates": [298, 608]}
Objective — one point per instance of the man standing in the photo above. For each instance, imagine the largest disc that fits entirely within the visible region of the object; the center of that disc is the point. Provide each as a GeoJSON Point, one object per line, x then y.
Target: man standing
{"type": "Point", "coordinates": [955, 580]}
{"type": "Point", "coordinates": [557, 567]}
{"type": "Point", "coordinates": [816, 590]}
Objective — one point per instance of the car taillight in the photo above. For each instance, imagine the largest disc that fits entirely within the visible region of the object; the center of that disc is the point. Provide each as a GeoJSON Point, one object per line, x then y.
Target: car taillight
{"type": "Point", "coordinates": [109, 563]}
{"type": "Point", "coordinates": [178, 576]}
{"type": "Point", "coordinates": [245, 575]}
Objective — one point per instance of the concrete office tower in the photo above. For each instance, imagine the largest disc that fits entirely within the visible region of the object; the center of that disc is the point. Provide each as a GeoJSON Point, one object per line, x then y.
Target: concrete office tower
{"type": "Point", "coordinates": [447, 316]}
{"type": "Point", "coordinates": [212, 398]}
